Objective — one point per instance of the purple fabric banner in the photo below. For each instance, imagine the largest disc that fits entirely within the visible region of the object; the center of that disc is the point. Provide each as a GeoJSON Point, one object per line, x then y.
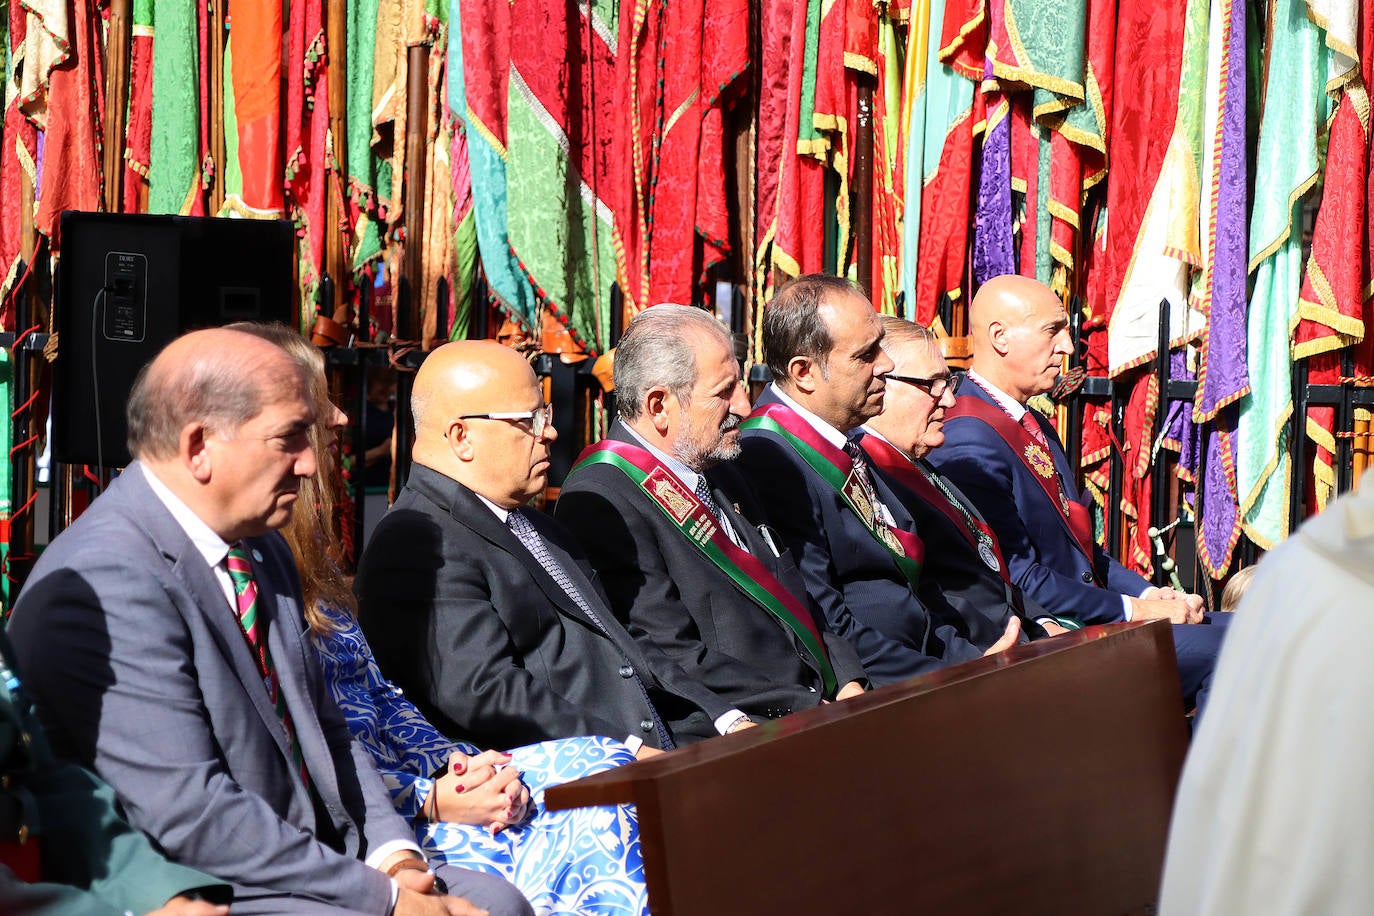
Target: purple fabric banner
{"type": "Point", "coordinates": [993, 253]}
{"type": "Point", "coordinates": [1222, 378]}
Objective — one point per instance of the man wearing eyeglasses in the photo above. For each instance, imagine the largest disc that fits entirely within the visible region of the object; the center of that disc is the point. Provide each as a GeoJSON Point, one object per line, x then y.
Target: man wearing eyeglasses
{"type": "Point", "coordinates": [486, 612]}
{"type": "Point", "coordinates": [858, 547]}
{"type": "Point", "coordinates": [1007, 459]}
{"type": "Point", "coordinates": [964, 568]}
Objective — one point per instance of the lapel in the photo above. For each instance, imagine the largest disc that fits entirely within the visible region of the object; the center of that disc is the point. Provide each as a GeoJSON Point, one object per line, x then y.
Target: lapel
{"type": "Point", "coordinates": [189, 568]}
{"type": "Point", "coordinates": [285, 640]}
{"type": "Point", "coordinates": [1061, 461]}
{"type": "Point", "coordinates": [468, 510]}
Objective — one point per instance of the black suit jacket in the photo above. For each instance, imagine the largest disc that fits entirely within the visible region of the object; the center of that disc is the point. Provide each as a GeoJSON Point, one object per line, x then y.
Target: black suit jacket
{"type": "Point", "coordinates": [670, 595]}
{"type": "Point", "coordinates": [954, 576]}
{"type": "Point", "coordinates": [462, 617]}
{"type": "Point", "coordinates": [853, 578]}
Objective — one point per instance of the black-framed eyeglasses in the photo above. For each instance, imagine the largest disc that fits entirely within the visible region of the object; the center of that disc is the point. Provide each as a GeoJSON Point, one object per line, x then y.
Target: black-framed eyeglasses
{"type": "Point", "coordinates": [539, 419]}
{"type": "Point", "coordinates": [935, 387]}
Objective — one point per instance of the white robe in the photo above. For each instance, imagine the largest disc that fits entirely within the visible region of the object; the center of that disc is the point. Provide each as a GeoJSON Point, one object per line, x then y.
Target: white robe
{"type": "Point", "coordinates": [1275, 809]}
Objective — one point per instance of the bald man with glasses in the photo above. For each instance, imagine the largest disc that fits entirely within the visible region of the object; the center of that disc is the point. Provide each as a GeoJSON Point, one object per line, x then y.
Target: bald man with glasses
{"type": "Point", "coordinates": [484, 611]}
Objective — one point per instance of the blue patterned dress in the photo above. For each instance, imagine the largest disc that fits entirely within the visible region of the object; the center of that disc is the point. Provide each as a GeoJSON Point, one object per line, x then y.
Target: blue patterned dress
{"type": "Point", "coordinates": [582, 861]}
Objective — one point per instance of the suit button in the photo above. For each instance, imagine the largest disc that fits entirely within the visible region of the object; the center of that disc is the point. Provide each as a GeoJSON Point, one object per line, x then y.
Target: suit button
{"type": "Point", "coordinates": [1087, 577]}
{"type": "Point", "coordinates": [646, 725]}
{"type": "Point", "coordinates": [626, 671]}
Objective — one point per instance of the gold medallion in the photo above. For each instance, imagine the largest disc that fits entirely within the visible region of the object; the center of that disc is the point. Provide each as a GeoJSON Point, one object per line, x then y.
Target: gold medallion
{"type": "Point", "coordinates": [1040, 461]}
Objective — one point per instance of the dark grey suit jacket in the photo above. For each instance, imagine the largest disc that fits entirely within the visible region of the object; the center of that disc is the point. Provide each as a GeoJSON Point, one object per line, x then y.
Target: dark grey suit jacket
{"type": "Point", "coordinates": [671, 596]}
{"type": "Point", "coordinates": [462, 617]}
{"type": "Point", "coordinates": [140, 671]}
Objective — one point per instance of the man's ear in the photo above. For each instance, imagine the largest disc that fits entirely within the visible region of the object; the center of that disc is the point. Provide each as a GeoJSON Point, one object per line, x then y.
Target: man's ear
{"type": "Point", "coordinates": [804, 373]}
{"type": "Point", "coordinates": [656, 403]}
{"type": "Point", "coordinates": [195, 452]}
{"type": "Point", "coordinates": [998, 337]}
{"type": "Point", "coordinates": [459, 441]}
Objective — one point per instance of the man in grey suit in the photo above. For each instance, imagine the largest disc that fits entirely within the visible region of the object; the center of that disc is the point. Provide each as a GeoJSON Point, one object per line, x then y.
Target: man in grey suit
{"type": "Point", "coordinates": [162, 637]}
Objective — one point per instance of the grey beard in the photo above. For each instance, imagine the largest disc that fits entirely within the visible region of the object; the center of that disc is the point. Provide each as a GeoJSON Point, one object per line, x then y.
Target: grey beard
{"type": "Point", "coordinates": [699, 459]}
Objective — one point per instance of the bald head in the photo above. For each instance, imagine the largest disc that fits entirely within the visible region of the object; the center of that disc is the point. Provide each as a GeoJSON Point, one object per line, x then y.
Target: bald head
{"type": "Point", "coordinates": [499, 458]}
{"type": "Point", "coordinates": [217, 377]}
{"type": "Point", "coordinates": [1020, 335]}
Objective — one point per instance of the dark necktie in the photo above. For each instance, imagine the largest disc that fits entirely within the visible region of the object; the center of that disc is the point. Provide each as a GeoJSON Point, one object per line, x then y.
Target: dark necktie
{"type": "Point", "coordinates": [246, 604]}
{"type": "Point", "coordinates": [524, 530]}
{"type": "Point", "coordinates": [703, 491]}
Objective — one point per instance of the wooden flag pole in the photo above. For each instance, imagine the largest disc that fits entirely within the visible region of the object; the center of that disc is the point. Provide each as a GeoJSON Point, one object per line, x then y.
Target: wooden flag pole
{"type": "Point", "coordinates": [217, 148]}
{"type": "Point", "coordinates": [417, 130]}
{"type": "Point", "coordinates": [335, 255]}
{"type": "Point", "coordinates": [862, 224]}
{"type": "Point", "coordinates": [117, 57]}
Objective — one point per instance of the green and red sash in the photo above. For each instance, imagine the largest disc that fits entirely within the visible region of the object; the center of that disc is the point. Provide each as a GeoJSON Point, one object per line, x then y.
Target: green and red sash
{"type": "Point", "coordinates": [1037, 460]}
{"type": "Point", "coordinates": [690, 516]}
{"type": "Point", "coordinates": [836, 468]}
{"type": "Point", "coordinates": [886, 456]}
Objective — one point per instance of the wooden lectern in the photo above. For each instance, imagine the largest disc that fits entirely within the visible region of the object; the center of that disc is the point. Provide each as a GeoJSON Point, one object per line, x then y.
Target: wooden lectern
{"type": "Point", "coordinates": [1036, 781]}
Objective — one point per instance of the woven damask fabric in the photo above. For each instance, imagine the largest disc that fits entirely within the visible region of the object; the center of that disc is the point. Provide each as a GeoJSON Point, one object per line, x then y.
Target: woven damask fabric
{"type": "Point", "coordinates": [582, 861]}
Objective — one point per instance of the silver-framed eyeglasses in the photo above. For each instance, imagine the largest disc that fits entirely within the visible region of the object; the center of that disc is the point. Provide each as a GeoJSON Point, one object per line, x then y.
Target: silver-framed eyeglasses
{"type": "Point", "coordinates": [935, 387]}
{"type": "Point", "coordinates": [539, 419]}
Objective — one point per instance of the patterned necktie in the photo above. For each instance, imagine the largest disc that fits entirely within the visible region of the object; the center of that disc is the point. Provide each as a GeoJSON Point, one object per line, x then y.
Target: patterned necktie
{"type": "Point", "coordinates": [246, 601]}
{"type": "Point", "coordinates": [703, 491]}
{"type": "Point", "coordinates": [856, 455]}
{"type": "Point", "coordinates": [1033, 427]}
{"type": "Point", "coordinates": [524, 530]}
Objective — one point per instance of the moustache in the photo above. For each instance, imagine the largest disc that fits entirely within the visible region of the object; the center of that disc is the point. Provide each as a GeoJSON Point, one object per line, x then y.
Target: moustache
{"type": "Point", "coordinates": [731, 424]}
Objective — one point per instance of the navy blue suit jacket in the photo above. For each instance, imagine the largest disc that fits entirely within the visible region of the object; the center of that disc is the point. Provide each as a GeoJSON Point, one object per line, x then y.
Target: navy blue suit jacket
{"type": "Point", "coordinates": [1044, 560]}
{"type": "Point", "coordinates": [851, 576]}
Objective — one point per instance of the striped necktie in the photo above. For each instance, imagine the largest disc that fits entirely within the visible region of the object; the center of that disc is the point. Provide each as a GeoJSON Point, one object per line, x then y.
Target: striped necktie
{"type": "Point", "coordinates": [246, 603]}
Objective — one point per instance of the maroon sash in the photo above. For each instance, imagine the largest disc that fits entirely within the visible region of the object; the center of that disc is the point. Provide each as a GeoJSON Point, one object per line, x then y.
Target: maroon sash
{"type": "Point", "coordinates": [902, 469]}
{"type": "Point", "coordinates": [1037, 460]}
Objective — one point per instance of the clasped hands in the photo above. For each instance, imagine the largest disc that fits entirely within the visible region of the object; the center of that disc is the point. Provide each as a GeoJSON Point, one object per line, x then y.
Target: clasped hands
{"type": "Point", "coordinates": [1162, 602]}
{"type": "Point", "coordinates": [484, 791]}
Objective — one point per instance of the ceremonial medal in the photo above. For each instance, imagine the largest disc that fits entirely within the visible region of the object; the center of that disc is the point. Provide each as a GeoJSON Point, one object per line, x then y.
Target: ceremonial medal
{"type": "Point", "coordinates": [1040, 461]}
{"type": "Point", "coordinates": [670, 494]}
{"type": "Point", "coordinates": [854, 490]}
{"type": "Point", "coordinates": [1064, 502]}
{"type": "Point", "coordinates": [989, 557]}
{"type": "Point", "coordinates": [890, 540]}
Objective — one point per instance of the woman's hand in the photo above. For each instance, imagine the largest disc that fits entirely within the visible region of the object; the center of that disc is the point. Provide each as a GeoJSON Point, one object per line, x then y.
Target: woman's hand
{"type": "Point", "coordinates": [484, 791]}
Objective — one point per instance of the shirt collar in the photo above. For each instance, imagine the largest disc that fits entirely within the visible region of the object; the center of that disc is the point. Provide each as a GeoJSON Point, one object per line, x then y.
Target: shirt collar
{"type": "Point", "coordinates": [1004, 400]}
{"type": "Point", "coordinates": [208, 544]}
{"type": "Point", "coordinates": [825, 430]}
{"type": "Point", "coordinates": [680, 470]}
{"type": "Point", "coordinates": [502, 514]}
{"type": "Point", "coordinates": [869, 431]}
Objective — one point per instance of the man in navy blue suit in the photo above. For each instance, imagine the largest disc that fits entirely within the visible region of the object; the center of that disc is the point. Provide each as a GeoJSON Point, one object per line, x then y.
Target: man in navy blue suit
{"type": "Point", "coordinates": [855, 543]}
{"type": "Point", "coordinates": [1006, 458]}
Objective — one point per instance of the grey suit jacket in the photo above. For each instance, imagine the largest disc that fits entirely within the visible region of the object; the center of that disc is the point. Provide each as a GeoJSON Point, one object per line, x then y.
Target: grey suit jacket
{"type": "Point", "coordinates": [140, 671]}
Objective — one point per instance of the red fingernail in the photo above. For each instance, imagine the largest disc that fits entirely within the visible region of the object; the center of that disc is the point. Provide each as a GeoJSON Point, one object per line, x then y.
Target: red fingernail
{"type": "Point", "coordinates": [461, 767]}
{"type": "Point", "coordinates": [460, 787]}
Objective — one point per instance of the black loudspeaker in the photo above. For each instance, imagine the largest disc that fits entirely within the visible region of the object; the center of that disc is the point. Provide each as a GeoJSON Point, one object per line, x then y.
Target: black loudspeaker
{"type": "Point", "coordinates": [128, 284]}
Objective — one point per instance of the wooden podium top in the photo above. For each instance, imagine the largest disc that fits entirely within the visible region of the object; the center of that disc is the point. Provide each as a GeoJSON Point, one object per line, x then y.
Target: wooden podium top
{"type": "Point", "coordinates": [1036, 781]}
